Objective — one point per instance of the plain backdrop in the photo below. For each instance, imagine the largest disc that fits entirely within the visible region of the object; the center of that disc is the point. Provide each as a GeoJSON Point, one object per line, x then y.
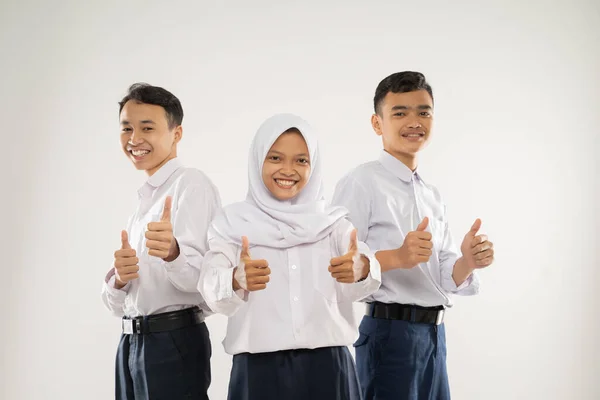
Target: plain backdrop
{"type": "Point", "coordinates": [515, 143]}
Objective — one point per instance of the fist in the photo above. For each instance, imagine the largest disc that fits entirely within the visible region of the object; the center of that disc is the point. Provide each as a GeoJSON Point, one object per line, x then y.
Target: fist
{"type": "Point", "coordinates": [126, 263]}
{"type": "Point", "coordinates": [416, 248]}
{"type": "Point", "coordinates": [351, 267]}
{"type": "Point", "coordinates": [159, 237]}
{"type": "Point", "coordinates": [250, 275]}
{"type": "Point", "coordinates": [476, 249]}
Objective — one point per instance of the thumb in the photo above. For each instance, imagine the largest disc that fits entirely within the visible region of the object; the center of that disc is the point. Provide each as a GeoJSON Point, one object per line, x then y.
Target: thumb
{"type": "Point", "coordinates": [353, 241]}
{"type": "Point", "coordinates": [423, 225]}
{"type": "Point", "coordinates": [475, 227]}
{"type": "Point", "coordinates": [166, 214]}
{"type": "Point", "coordinates": [245, 248]}
{"type": "Point", "coordinates": [124, 240]}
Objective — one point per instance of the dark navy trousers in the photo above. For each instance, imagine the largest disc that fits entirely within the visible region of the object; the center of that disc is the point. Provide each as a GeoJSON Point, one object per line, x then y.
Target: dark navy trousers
{"type": "Point", "coordinates": [401, 360]}
{"type": "Point", "coordinates": [326, 373]}
{"type": "Point", "coordinates": [169, 365]}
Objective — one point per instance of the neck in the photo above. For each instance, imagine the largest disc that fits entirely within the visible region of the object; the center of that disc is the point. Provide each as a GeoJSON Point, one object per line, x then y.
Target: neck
{"type": "Point", "coordinates": [153, 170]}
{"type": "Point", "coordinates": [410, 160]}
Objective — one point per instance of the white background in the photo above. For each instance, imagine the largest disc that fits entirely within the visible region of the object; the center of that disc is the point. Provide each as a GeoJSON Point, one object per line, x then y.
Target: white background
{"type": "Point", "coordinates": [516, 135]}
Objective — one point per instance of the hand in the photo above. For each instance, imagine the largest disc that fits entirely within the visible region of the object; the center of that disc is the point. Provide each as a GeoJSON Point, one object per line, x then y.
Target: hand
{"type": "Point", "coordinates": [416, 248]}
{"type": "Point", "coordinates": [250, 275]}
{"type": "Point", "coordinates": [160, 240]}
{"type": "Point", "coordinates": [477, 251]}
{"type": "Point", "coordinates": [126, 268]}
{"type": "Point", "coordinates": [352, 266]}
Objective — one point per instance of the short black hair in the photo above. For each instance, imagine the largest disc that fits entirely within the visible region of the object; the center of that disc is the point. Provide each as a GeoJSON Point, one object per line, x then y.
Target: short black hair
{"type": "Point", "coordinates": [400, 82]}
{"type": "Point", "coordinates": [148, 94]}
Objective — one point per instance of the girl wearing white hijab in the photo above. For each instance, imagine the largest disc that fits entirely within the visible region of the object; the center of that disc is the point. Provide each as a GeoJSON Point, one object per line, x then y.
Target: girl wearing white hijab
{"type": "Point", "coordinates": [286, 268]}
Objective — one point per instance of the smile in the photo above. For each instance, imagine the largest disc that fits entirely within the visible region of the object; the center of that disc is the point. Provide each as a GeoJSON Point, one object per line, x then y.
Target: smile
{"type": "Point", "coordinates": [285, 183]}
{"type": "Point", "coordinates": [139, 154]}
{"type": "Point", "coordinates": [413, 135]}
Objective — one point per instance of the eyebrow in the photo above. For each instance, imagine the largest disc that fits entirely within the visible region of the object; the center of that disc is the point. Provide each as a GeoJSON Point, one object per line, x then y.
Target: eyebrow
{"type": "Point", "coordinates": [145, 121]}
{"type": "Point", "coordinates": [420, 107]}
{"type": "Point", "coordinates": [280, 153]}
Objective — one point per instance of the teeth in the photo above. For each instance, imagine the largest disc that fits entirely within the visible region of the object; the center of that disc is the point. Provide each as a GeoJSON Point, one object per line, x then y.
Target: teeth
{"type": "Point", "coordinates": [139, 153]}
{"type": "Point", "coordinates": [413, 135]}
{"type": "Point", "coordinates": [285, 183]}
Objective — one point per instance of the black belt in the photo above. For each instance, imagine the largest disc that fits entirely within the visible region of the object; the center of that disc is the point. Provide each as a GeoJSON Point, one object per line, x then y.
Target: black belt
{"type": "Point", "coordinates": [163, 322]}
{"type": "Point", "coordinates": [406, 312]}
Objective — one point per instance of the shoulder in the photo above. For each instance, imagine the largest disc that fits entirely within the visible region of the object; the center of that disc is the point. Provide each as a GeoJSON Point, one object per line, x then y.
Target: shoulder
{"type": "Point", "coordinates": [361, 175]}
{"type": "Point", "coordinates": [193, 178]}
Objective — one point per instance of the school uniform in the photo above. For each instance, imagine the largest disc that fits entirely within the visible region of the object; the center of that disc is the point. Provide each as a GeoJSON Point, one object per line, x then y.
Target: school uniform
{"type": "Point", "coordinates": [401, 350]}
{"type": "Point", "coordinates": [288, 341]}
{"type": "Point", "coordinates": [164, 351]}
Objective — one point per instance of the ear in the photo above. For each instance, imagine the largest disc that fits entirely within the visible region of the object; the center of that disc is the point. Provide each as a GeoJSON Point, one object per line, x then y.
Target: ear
{"type": "Point", "coordinates": [376, 124]}
{"type": "Point", "coordinates": [177, 134]}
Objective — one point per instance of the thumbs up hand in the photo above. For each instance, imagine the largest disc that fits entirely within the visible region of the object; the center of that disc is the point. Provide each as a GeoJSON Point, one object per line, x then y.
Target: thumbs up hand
{"type": "Point", "coordinates": [159, 236]}
{"type": "Point", "coordinates": [126, 268]}
{"type": "Point", "coordinates": [416, 247]}
{"type": "Point", "coordinates": [477, 250]}
{"type": "Point", "coordinates": [250, 275]}
{"type": "Point", "coordinates": [352, 266]}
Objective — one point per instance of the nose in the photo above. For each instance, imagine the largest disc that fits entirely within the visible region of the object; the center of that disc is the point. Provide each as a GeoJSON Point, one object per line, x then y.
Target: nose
{"type": "Point", "coordinates": [414, 124]}
{"type": "Point", "coordinates": [135, 138]}
{"type": "Point", "coordinates": [287, 170]}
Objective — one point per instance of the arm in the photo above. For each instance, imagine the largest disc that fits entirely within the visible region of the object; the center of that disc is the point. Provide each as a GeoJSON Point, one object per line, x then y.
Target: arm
{"type": "Point", "coordinates": [456, 276]}
{"type": "Point", "coordinates": [369, 270]}
{"type": "Point", "coordinates": [353, 195]}
{"type": "Point", "coordinates": [113, 298]}
{"type": "Point", "coordinates": [216, 278]}
{"type": "Point", "coordinates": [197, 206]}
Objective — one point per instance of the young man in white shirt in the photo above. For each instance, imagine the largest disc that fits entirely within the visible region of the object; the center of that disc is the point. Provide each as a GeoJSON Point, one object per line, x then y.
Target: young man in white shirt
{"type": "Point", "coordinates": [165, 350]}
{"type": "Point", "coordinates": [401, 350]}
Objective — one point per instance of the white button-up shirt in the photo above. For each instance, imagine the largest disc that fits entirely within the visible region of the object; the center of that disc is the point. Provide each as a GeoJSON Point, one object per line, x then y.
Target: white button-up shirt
{"type": "Point", "coordinates": [386, 201]}
{"type": "Point", "coordinates": [302, 307]}
{"type": "Point", "coordinates": [167, 286]}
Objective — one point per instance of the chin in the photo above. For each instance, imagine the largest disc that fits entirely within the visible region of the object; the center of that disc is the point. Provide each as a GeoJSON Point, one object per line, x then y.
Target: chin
{"type": "Point", "coordinates": [282, 196]}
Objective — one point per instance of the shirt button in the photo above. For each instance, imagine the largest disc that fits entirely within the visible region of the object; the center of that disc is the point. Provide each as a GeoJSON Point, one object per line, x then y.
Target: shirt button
{"type": "Point", "coordinates": [294, 266]}
{"type": "Point", "coordinates": [295, 299]}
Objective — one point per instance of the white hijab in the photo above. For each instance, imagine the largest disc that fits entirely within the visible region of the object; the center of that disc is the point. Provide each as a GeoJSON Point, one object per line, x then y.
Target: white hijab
{"type": "Point", "coordinates": [270, 222]}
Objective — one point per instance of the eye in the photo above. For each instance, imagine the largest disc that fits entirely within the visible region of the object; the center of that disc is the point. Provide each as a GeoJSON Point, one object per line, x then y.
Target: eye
{"type": "Point", "coordinates": [425, 114]}
{"type": "Point", "coordinates": [274, 158]}
{"type": "Point", "coordinates": [399, 114]}
{"type": "Point", "coordinates": [303, 160]}
{"type": "Point", "coordinates": [126, 130]}
{"type": "Point", "coordinates": [147, 129]}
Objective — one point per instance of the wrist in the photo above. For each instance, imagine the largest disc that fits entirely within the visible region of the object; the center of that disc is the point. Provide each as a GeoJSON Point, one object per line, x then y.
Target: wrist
{"type": "Point", "coordinates": [234, 283]}
{"type": "Point", "coordinates": [366, 269]}
{"type": "Point", "coordinates": [173, 251]}
{"type": "Point", "coordinates": [119, 284]}
{"type": "Point", "coordinates": [461, 271]}
{"type": "Point", "coordinates": [389, 259]}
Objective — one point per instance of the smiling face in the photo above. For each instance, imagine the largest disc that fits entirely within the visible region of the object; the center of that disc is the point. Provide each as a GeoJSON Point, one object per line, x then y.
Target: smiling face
{"type": "Point", "coordinates": [286, 168]}
{"type": "Point", "coordinates": [404, 123]}
{"type": "Point", "coordinates": [146, 137]}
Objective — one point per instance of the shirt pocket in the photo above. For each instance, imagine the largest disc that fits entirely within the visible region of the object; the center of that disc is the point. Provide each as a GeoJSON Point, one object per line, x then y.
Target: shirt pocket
{"type": "Point", "coordinates": [325, 284]}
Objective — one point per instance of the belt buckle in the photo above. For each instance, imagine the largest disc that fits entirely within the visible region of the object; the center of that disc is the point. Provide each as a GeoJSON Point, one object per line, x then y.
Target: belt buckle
{"type": "Point", "coordinates": [128, 326]}
{"type": "Point", "coordinates": [440, 317]}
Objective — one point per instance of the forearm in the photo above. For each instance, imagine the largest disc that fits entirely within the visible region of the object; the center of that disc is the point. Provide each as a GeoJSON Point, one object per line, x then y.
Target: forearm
{"type": "Point", "coordinates": [388, 259]}
{"type": "Point", "coordinates": [369, 283]}
{"type": "Point", "coordinates": [461, 271]}
{"type": "Point", "coordinates": [458, 278]}
{"type": "Point", "coordinates": [219, 287]}
{"type": "Point", "coordinates": [113, 297]}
